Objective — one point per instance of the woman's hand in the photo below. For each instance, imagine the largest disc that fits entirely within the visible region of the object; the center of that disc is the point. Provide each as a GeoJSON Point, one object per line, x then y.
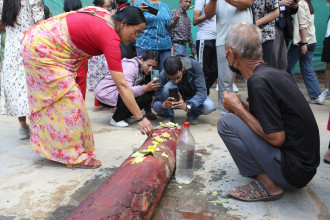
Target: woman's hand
{"type": "Point", "coordinates": [304, 49]}
{"type": "Point", "coordinates": [143, 6]}
{"type": "Point", "coordinates": [152, 85]}
{"type": "Point", "coordinates": [146, 127]}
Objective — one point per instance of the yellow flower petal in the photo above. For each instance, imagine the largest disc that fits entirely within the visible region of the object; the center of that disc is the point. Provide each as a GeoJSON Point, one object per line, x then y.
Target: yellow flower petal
{"type": "Point", "coordinates": [138, 160]}
{"type": "Point", "coordinates": [154, 142]}
{"type": "Point", "coordinates": [151, 147]}
{"type": "Point", "coordinates": [164, 155]}
{"type": "Point", "coordinates": [180, 187]}
{"type": "Point", "coordinates": [166, 135]}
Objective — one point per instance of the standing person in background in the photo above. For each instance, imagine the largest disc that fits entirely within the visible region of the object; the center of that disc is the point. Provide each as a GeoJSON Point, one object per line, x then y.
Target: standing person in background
{"type": "Point", "coordinates": [156, 35]}
{"type": "Point", "coordinates": [205, 43]}
{"type": "Point", "coordinates": [72, 5]}
{"type": "Point", "coordinates": [326, 58]}
{"type": "Point", "coordinates": [283, 33]}
{"type": "Point", "coordinates": [302, 49]}
{"type": "Point", "coordinates": [181, 29]}
{"type": "Point", "coordinates": [17, 16]}
{"type": "Point", "coordinates": [47, 12]}
{"type": "Point", "coordinates": [265, 13]}
{"type": "Point", "coordinates": [228, 13]}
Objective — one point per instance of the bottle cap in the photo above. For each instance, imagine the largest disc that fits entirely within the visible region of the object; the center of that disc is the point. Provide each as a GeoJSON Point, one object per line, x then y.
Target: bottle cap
{"type": "Point", "coordinates": [186, 124]}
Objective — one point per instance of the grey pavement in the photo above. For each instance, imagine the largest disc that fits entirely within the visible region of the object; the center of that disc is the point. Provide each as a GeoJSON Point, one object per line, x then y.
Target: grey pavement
{"type": "Point", "coordinates": [32, 187]}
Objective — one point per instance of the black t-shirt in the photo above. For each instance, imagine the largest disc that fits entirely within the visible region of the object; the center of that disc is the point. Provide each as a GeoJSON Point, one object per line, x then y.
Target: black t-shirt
{"type": "Point", "coordinates": [276, 101]}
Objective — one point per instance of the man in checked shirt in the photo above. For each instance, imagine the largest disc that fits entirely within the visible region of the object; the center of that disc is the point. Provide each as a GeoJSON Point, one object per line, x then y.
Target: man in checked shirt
{"type": "Point", "coordinates": [181, 29]}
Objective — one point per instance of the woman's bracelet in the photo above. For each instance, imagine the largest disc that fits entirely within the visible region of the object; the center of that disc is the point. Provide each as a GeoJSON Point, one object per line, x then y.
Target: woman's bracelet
{"type": "Point", "coordinates": [303, 43]}
{"type": "Point", "coordinates": [143, 116]}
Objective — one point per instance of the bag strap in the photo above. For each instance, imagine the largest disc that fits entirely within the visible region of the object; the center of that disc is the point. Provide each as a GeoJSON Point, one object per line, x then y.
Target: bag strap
{"type": "Point", "coordinates": [94, 13]}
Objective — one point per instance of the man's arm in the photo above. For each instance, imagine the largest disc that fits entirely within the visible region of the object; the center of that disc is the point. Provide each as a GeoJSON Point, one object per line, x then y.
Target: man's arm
{"type": "Point", "coordinates": [210, 9]}
{"type": "Point", "coordinates": [198, 18]}
{"type": "Point", "coordinates": [233, 104]}
{"type": "Point", "coordinates": [268, 17]}
{"type": "Point", "coordinates": [241, 4]}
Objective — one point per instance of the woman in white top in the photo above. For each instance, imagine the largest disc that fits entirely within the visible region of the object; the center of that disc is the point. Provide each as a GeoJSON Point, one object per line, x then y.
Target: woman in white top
{"type": "Point", "coordinates": [17, 16]}
{"type": "Point", "coordinates": [302, 49]}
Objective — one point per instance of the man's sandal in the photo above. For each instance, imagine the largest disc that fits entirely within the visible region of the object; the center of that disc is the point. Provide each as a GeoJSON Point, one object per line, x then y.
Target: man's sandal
{"type": "Point", "coordinates": [257, 192]}
{"type": "Point", "coordinates": [89, 163]}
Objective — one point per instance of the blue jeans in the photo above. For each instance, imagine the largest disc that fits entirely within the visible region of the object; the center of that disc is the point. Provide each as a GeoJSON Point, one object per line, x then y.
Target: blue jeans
{"type": "Point", "coordinates": [307, 71]}
{"type": "Point", "coordinates": [163, 55]}
{"type": "Point", "coordinates": [207, 107]}
{"type": "Point", "coordinates": [179, 49]}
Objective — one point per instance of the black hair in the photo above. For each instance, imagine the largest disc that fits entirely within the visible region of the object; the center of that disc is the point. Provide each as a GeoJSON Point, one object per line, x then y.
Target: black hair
{"type": "Point", "coordinates": [311, 8]}
{"type": "Point", "coordinates": [131, 15]}
{"type": "Point", "coordinates": [72, 5]}
{"type": "Point", "coordinates": [172, 65]}
{"type": "Point", "coordinates": [122, 2]}
{"type": "Point", "coordinates": [47, 12]}
{"type": "Point", "coordinates": [113, 5]}
{"type": "Point", "coordinates": [10, 11]}
{"type": "Point", "coordinates": [151, 55]}
{"type": "Point", "coordinates": [99, 3]}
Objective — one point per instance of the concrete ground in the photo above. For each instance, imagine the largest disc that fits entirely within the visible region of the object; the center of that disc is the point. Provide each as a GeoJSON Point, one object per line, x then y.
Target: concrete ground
{"type": "Point", "coordinates": [32, 187]}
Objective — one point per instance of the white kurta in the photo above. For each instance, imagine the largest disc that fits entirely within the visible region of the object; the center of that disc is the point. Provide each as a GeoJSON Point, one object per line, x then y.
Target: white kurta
{"type": "Point", "coordinates": [14, 95]}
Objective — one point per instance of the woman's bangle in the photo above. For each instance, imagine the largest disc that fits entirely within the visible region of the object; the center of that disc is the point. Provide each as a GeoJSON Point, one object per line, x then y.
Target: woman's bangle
{"type": "Point", "coordinates": [303, 43]}
{"type": "Point", "coordinates": [143, 116]}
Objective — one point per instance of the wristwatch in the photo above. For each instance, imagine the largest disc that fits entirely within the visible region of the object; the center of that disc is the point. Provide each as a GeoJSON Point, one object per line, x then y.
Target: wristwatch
{"type": "Point", "coordinates": [188, 107]}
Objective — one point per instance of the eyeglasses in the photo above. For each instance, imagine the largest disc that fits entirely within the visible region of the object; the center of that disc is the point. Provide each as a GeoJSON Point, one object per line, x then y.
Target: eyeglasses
{"type": "Point", "coordinates": [136, 32]}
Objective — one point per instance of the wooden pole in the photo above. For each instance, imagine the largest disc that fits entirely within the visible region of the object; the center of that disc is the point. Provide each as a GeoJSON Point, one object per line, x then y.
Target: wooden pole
{"type": "Point", "coordinates": [133, 190]}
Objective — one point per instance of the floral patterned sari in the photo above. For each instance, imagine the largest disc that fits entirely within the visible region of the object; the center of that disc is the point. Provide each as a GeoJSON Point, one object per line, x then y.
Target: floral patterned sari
{"type": "Point", "coordinates": [60, 127]}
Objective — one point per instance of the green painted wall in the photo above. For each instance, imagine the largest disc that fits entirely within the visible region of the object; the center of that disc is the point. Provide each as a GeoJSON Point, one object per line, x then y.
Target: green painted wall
{"type": "Point", "coordinates": [322, 12]}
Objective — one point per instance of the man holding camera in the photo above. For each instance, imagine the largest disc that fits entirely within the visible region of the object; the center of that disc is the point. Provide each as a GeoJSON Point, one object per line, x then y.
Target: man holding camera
{"type": "Point", "coordinates": [182, 86]}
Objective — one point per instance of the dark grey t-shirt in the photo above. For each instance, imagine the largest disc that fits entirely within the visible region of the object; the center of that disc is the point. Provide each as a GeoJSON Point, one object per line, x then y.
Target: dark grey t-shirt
{"type": "Point", "coordinates": [276, 101]}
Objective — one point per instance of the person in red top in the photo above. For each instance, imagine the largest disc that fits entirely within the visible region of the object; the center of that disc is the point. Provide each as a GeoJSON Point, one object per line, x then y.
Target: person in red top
{"type": "Point", "coordinates": [52, 52]}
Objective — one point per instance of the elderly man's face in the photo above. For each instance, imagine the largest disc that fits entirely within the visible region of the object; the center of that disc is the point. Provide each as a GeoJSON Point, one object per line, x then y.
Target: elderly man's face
{"type": "Point", "coordinates": [231, 57]}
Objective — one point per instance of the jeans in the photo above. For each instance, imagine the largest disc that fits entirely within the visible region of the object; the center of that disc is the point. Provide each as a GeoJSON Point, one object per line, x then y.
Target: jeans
{"type": "Point", "coordinates": [162, 53]}
{"type": "Point", "coordinates": [179, 49]}
{"type": "Point", "coordinates": [207, 107]}
{"type": "Point", "coordinates": [307, 71]}
{"type": "Point", "coordinates": [225, 76]}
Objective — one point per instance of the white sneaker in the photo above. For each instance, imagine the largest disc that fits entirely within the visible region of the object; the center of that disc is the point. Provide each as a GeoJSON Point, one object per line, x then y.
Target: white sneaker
{"type": "Point", "coordinates": [318, 100]}
{"type": "Point", "coordinates": [121, 123]}
{"type": "Point", "coordinates": [217, 88]}
{"type": "Point", "coordinates": [24, 133]}
{"type": "Point", "coordinates": [235, 89]}
{"type": "Point", "coordinates": [130, 120]}
{"type": "Point", "coordinates": [326, 93]}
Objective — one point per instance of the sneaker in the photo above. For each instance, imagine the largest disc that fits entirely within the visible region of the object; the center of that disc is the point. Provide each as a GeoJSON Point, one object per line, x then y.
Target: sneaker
{"type": "Point", "coordinates": [235, 89]}
{"type": "Point", "coordinates": [150, 116]}
{"type": "Point", "coordinates": [24, 133]}
{"type": "Point", "coordinates": [217, 88]}
{"type": "Point", "coordinates": [318, 100]}
{"type": "Point", "coordinates": [192, 121]}
{"type": "Point", "coordinates": [326, 93]}
{"type": "Point", "coordinates": [121, 123]}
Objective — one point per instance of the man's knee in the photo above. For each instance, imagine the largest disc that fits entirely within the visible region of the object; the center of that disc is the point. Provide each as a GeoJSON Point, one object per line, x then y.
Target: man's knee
{"type": "Point", "coordinates": [225, 123]}
{"type": "Point", "coordinates": [208, 106]}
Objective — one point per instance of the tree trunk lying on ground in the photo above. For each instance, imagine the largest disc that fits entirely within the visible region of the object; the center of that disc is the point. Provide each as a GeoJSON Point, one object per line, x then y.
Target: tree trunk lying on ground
{"type": "Point", "coordinates": [133, 190]}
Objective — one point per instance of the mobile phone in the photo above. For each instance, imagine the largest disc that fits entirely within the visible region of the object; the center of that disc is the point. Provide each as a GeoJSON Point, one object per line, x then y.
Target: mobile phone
{"type": "Point", "coordinates": [154, 74]}
{"type": "Point", "coordinates": [151, 10]}
{"type": "Point", "coordinates": [174, 92]}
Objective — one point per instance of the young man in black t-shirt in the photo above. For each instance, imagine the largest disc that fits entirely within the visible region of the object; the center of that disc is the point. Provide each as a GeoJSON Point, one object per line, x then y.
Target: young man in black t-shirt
{"type": "Point", "coordinates": [275, 138]}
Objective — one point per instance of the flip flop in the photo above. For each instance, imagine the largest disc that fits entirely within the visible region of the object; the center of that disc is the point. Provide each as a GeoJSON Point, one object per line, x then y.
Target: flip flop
{"type": "Point", "coordinates": [89, 163]}
{"type": "Point", "coordinates": [257, 192]}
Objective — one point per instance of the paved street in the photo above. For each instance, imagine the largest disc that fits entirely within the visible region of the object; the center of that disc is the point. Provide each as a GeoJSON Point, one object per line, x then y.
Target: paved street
{"type": "Point", "coordinates": [32, 187]}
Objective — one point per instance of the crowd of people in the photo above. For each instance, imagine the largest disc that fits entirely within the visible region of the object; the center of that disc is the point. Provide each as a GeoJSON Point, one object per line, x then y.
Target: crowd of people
{"type": "Point", "coordinates": [113, 49]}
